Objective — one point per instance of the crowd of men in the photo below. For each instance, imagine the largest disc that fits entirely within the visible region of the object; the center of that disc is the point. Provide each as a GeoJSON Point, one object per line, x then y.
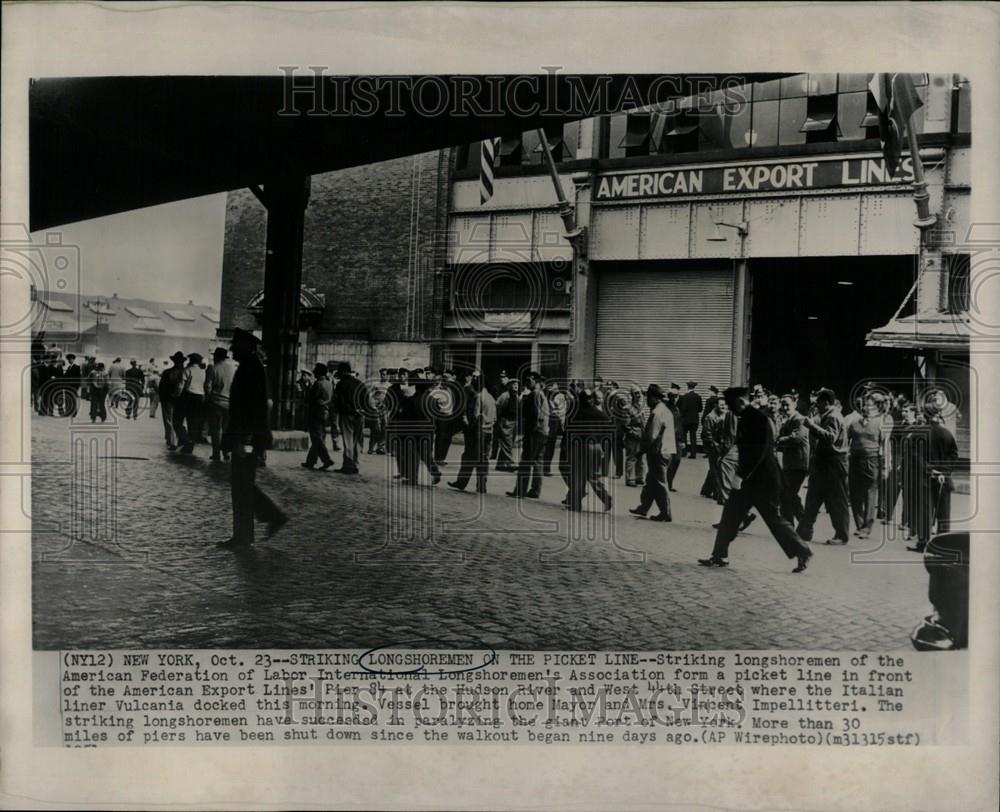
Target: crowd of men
{"type": "Point", "coordinates": [761, 448]}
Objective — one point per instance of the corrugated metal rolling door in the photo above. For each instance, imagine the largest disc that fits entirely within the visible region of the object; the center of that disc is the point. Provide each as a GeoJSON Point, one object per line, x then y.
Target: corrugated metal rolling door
{"type": "Point", "coordinates": [659, 326]}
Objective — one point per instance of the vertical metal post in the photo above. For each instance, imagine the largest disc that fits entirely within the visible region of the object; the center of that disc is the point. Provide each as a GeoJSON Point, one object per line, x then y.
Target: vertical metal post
{"type": "Point", "coordinates": [286, 199]}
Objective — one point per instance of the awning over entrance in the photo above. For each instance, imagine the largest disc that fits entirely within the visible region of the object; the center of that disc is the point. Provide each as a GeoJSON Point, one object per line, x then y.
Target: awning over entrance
{"type": "Point", "coordinates": [932, 331]}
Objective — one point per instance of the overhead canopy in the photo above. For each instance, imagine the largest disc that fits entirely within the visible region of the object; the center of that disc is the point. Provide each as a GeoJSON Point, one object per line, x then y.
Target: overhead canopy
{"type": "Point", "coordinates": [104, 145]}
{"type": "Point", "coordinates": [934, 331]}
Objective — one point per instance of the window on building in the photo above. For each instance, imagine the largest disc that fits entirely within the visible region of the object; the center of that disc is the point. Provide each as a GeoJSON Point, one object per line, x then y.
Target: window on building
{"type": "Point", "coordinates": [792, 115]}
{"type": "Point", "coordinates": [635, 140]}
{"type": "Point", "coordinates": [857, 116]}
{"type": "Point", "coordinates": [962, 105]}
{"type": "Point", "coordinates": [511, 151]}
{"type": "Point", "coordinates": [764, 123]}
{"type": "Point", "coordinates": [957, 267]}
{"type": "Point", "coordinates": [820, 125]}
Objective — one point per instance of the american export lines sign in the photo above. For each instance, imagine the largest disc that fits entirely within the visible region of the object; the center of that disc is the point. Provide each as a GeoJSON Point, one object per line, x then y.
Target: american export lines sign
{"type": "Point", "coordinates": [756, 177]}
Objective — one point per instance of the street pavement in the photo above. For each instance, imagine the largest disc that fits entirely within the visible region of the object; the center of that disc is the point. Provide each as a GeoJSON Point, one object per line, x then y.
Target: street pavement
{"type": "Point", "coordinates": [124, 556]}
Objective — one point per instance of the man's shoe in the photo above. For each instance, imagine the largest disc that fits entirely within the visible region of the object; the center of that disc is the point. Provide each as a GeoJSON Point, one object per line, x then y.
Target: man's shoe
{"type": "Point", "coordinates": [637, 512]}
{"type": "Point", "coordinates": [532, 495]}
{"type": "Point", "coordinates": [661, 517]}
{"type": "Point", "coordinates": [187, 449]}
{"type": "Point", "coordinates": [916, 548]}
{"type": "Point", "coordinates": [514, 494]}
{"type": "Point", "coordinates": [713, 562]}
{"type": "Point", "coordinates": [803, 559]}
{"type": "Point", "coordinates": [456, 486]}
{"type": "Point", "coordinates": [835, 542]}
{"type": "Point", "coordinates": [275, 525]}
{"type": "Point", "coordinates": [307, 465]}
{"type": "Point", "coordinates": [435, 479]}
{"type": "Point", "coordinates": [747, 522]}
{"type": "Point", "coordinates": [233, 544]}
{"type": "Point", "coordinates": [608, 505]}
{"type": "Point", "coordinates": [326, 466]}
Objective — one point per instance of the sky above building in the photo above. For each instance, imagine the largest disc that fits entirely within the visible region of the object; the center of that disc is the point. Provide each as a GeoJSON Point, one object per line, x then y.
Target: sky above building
{"type": "Point", "coordinates": [169, 253]}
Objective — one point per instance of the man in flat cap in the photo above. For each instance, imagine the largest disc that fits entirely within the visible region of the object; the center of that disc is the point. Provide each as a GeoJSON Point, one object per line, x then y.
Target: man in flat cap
{"type": "Point", "coordinates": [659, 444]}
{"type": "Point", "coordinates": [248, 435]}
{"type": "Point", "coordinates": [827, 469]}
{"type": "Point", "coordinates": [760, 486]}
{"type": "Point", "coordinates": [689, 405]}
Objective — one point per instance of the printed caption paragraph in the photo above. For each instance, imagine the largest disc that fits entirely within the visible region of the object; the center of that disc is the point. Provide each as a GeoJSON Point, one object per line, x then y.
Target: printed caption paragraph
{"type": "Point", "coordinates": [116, 698]}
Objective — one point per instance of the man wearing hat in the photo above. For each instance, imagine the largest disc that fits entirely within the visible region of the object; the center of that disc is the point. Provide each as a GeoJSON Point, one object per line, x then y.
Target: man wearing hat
{"type": "Point", "coordinates": [178, 379]}
{"type": "Point", "coordinates": [638, 413]}
{"type": "Point", "coordinates": [348, 396]}
{"type": "Point", "coordinates": [827, 470]}
{"type": "Point", "coordinates": [759, 487]}
{"type": "Point", "coordinates": [674, 463]}
{"type": "Point", "coordinates": [689, 405]}
{"type": "Point", "coordinates": [535, 413]}
{"type": "Point", "coordinates": [135, 382]}
{"type": "Point", "coordinates": [218, 383]}
{"type": "Point", "coordinates": [318, 416]}
{"type": "Point", "coordinates": [659, 444]}
{"type": "Point", "coordinates": [506, 427]}
{"type": "Point", "coordinates": [479, 417]}
{"type": "Point", "coordinates": [247, 436]}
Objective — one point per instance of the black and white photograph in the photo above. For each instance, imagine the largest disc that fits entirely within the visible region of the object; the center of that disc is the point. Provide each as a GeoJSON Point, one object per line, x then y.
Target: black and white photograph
{"type": "Point", "coordinates": [346, 361]}
{"type": "Point", "coordinates": [504, 406]}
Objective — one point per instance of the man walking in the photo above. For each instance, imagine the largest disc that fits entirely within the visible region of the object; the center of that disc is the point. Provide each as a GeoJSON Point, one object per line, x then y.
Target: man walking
{"type": "Point", "coordinates": [348, 399]}
{"type": "Point", "coordinates": [759, 486]}
{"type": "Point", "coordinates": [218, 383]}
{"type": "Point", "coordinates": [712, 425]}
{"type": "Point", "coordinates": [247, 436]}
{"type": "Point", "coordinates": [153, 387]}
{"type": "Point", "coordinates": [793, 443]}
{"type": "Point", "coordinates": [72, 379]}
{"type": "Point", "coordinates": [587, 433]}
{"type": "Point", "coordinates": [135, 382]}
{"type": "Point", "coordinates": [827, 470]}
{"type": "Point", "coordinates": [116, 383]}
{"type": "Point", "coordinates": [659, 444]}
{"type": "Point", "coordinates": [178, 379]}
{"type": "Point", "coordinates": [535, 414]}
{"type": "Point", "coordinates": [480, 415]}
{"type": "Point", "coordinates": [866, 442]}
{"type": "Point", "coordinates": [98, 384]}
{"type": "Point", "coordinates": [638, 413]}
{"type": "Point", "coordinates": [507, 413]}
{"type": "Point", "coordinates": [689, 405]}
{"type": "Point", "coordinates": [318, 415]}
{"type": "Point", "coordinates": [674, 464]}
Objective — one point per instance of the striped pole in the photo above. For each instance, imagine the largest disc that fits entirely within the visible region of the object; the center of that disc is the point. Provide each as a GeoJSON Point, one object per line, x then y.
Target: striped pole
{"type": "Point", "coordinates": [486, 158]}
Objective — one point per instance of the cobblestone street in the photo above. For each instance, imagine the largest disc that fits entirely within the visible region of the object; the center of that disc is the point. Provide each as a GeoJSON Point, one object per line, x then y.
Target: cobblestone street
{"type": "Point", "coordinates": [125, 557]}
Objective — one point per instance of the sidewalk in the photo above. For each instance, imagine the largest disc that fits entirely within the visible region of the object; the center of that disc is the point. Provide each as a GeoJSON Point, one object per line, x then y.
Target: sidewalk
{"type": "Point", "coordinates": [366, 562]}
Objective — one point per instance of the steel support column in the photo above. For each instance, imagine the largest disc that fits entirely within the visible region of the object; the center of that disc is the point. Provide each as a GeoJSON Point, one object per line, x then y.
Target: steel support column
{"type": "Point", "coordinates": [286, 198]}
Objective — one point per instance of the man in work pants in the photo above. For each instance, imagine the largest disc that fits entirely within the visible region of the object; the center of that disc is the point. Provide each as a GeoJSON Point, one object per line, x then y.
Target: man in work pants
{"type": "Point", "coordinates": [760, 486]}
{"type": "Point", "coordinates": [827, 471]}
{"type": "Point", "coordinates": [659, 444]}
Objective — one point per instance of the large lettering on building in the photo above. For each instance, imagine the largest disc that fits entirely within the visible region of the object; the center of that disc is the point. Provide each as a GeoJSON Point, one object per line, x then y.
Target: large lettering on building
{"type": "Point", "coordinates": [756, 177]}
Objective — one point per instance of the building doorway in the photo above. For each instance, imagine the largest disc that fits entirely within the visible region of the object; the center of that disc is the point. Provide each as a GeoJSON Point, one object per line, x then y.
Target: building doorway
{"type": "Point", "coordinates": [809, 319]}
{"type": "Point", "coordinates": [514, 359]}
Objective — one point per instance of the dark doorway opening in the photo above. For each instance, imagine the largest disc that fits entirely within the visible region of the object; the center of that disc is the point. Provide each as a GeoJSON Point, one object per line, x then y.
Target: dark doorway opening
{"type": "Point", "coordinates": [809, 319]}
{"type": "Point", "coordinates": [497, 357]}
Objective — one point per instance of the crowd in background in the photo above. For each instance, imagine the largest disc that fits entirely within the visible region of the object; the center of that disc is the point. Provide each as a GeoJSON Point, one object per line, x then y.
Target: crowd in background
{"type": "Point", "coordinates": [859, 461]}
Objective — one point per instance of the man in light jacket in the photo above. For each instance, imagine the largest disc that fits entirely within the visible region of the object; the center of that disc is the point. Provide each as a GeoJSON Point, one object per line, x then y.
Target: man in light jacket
{"type": "Point", "coordinates": [659, 444]}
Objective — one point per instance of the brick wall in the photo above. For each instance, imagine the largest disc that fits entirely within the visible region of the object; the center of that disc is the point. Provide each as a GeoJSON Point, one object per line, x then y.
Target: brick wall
{"type": "Point", "coordinates": [374, 238]}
